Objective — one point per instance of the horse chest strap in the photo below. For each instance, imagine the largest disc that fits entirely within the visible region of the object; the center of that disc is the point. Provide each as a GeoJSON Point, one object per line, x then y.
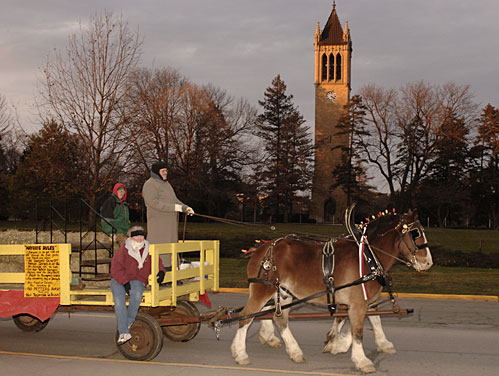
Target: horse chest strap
{"type": "Point", "coordinates": [328, 261]}
{"type": "Point", "coordinates": [328, 270]}
{"type": "Point", "coordinates": [262, 281]}
{"type": "Point", "coordinates": [267, 264]}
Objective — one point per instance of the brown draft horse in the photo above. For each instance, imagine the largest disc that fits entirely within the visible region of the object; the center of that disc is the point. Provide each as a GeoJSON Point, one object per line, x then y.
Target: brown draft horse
{"type": "Point", "coordinates": [298, 266]}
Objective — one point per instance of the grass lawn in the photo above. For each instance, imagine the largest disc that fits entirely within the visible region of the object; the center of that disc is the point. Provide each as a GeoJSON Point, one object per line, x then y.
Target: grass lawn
{"type": "Point", "coordinates": [437, 280]}
{"type": "Point", "coordinates": [243, 236]}
{"type": "Point", "coordinates": [486, 241]}
{"type": "Point", "coordinates": [446, 280]}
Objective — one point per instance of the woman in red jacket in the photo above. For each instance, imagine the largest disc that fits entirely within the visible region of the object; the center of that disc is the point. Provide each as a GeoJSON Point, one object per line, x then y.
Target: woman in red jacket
{"type": "Point", "coordinates": [130, 269]}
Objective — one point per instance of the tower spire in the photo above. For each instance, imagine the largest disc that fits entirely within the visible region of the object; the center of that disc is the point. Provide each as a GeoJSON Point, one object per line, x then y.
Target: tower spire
{"type": "Point", "coordinates": [346, 33]}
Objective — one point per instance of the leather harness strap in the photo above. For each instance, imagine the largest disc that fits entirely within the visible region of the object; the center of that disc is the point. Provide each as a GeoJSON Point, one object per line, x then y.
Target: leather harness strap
{"type": "Point", "coordinates": [267, 264]}
{"type": "Point", "coordinates": [328, 263]}
{"type": "Point", "coordinates": [327, 271]}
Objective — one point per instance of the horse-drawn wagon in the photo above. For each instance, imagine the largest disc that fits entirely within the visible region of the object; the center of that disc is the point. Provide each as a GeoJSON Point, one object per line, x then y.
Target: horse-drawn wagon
{"type": "Point", "coordinates": [33, 295]}
{"type": "Point", "coordinates": [348, 272]}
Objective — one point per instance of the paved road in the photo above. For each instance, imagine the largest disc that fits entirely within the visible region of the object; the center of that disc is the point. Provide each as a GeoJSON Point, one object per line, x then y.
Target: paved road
{"type": "Point", "coordinates": [443, 337]}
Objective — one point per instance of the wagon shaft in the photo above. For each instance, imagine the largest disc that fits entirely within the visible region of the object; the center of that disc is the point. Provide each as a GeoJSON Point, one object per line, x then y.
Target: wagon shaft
{"type": "Point", "coordinates": [342, 313]}
{"type": "Point", "coordinates": [211, 317]}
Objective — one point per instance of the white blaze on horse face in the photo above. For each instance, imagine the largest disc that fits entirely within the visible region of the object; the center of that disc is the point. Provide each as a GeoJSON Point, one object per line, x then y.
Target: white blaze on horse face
{"type": "Point", "coordinates": [423, 259]}
{"type": "Point", "coordinates": [420, 258]}
{"type": "Point", "coordinates": [423, 256]}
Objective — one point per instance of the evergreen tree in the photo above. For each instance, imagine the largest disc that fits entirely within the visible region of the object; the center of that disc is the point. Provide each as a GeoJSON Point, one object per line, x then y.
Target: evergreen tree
{"type": "Point", "coordinates": [485, 181]}
{"type": "Point", "coordinates": [350, 174]}
{"type": "Point", "coordinates": [446, 187]}
{"type": "Point", "coordinates": [50, 167]}
{"type": "Point", "coordinates": [286, 167]}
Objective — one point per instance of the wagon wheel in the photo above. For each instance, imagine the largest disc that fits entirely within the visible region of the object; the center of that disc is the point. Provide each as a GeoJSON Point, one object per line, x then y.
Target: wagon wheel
{"type": "Point", "coordinates": [147, 339]}
{"type": "Point", "coordinates": [28, 323]}
{"type": "Point", "coordinates": [183, 333]}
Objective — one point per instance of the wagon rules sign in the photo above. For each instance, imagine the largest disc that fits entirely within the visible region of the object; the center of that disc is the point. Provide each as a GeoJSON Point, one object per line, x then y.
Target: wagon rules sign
{"type": "Point", "coordinates": [41, 267]}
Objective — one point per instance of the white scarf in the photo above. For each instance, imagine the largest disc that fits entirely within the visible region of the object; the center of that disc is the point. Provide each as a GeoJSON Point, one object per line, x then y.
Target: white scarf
{"type": "Point", "coordinates": [134, 250]}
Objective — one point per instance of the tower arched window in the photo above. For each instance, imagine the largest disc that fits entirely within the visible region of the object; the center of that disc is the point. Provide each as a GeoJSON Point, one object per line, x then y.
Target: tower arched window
{"type": "Point", "coordinates": [331, 67]}
{"type": "Point", "coordinates": [338, 67]}
{"type": "Point", "coordinates": [324, 67]}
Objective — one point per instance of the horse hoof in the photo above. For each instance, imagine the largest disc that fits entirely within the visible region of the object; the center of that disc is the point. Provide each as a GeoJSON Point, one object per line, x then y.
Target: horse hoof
{"type": "Point", "coordinates": [243, 361]}
{"type": "Point", "coordinates": [368, 368]}
{"type": "Point", "coordinates": [272, 342]}
{"type": "Point", "coordinates": [335, 348]}
{"type": "Point", "coordinates": [387, 348]}
{"type": "Point", "coordinates": [297, 357]}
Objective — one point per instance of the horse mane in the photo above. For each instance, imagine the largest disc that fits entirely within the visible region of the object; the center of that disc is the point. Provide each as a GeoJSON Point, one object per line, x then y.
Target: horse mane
{"type": "Point", "coordinates": [381, 225]}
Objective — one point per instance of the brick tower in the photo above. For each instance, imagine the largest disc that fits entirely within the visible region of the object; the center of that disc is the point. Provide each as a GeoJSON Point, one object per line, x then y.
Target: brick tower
{"type": "Point", "coordinates": [333, 55]}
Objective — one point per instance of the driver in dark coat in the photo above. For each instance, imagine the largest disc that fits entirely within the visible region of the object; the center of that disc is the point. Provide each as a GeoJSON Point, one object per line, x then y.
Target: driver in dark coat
{"type": "Point", "coordinates": [162, 206]}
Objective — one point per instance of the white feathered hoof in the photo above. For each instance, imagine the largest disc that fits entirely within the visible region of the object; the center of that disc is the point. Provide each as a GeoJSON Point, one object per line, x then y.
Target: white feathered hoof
{"type": "Point", "coordinates": [297, 357]}
{"type": "Point", "coordinates": [273, 342]}
{"type": "Point", "coordinates": [387, 348]}
{"type": "Point", "coordinates": [243, 361]}
{"type": "Point", "coordinates": [241, 357]}
{"type": "Point", "coordinates": [338, 345]}
{"type": "Point", "coordinates": [366, 367]}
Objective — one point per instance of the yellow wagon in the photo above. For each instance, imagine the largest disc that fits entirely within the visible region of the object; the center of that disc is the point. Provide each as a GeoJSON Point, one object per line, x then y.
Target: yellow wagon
{"type": "Point", "coordinates": [166, 309]}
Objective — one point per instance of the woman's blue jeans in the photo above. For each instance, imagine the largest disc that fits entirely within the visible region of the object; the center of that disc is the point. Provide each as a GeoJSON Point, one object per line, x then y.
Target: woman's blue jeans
{"type": "Point", "coordinates": [126, 317]}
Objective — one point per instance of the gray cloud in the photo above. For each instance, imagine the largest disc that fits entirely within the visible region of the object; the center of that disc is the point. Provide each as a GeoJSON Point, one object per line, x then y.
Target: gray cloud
{"type": "Point", "coordinates": [241, 45]}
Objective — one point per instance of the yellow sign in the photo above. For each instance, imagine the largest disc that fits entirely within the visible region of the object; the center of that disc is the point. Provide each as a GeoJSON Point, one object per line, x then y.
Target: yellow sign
{"type": "Point", "coordinates": [41, 267]}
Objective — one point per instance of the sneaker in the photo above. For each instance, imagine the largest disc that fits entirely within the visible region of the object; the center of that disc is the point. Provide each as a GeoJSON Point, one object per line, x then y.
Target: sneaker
{"type": "Point", "coordinates": [123, 338]}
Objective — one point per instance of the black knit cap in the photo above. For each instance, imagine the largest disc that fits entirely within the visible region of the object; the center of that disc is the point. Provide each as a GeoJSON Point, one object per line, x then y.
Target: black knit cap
{"type": "Point", "coordinates": [156, 166]}
{"type": "Point", "coordinates": [137, 233]}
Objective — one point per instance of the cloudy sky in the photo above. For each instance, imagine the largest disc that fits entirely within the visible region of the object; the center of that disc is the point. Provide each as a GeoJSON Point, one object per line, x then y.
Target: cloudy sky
{"type": "Point", "coordinates": [240, 45]}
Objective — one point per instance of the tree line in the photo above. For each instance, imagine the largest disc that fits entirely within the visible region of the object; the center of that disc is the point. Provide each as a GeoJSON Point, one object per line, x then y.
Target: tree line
{"type": "Point", "coordinates": [104, 119]}
{"type": "Point", "coordinates": [430, 147]}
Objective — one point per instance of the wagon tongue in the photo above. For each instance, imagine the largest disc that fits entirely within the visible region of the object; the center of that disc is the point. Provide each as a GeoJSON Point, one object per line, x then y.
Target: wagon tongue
{"type": "Point", "coordinates": [350, 224]}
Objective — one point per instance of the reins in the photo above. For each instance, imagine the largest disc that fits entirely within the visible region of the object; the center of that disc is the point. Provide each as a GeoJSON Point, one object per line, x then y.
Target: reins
{"type": "Point", "coordinates": [301, 236]}
{"type": "Point", "coordinates": [407, 263]}
{"type": "Point", "coordinates": [218, 219]}
{"type": "Point", "coordinates": [225, 220]}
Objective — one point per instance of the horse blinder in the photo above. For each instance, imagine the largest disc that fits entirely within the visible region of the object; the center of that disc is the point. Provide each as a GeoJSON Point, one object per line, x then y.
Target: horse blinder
{"type": "Point", "coordinates": [415, 232]}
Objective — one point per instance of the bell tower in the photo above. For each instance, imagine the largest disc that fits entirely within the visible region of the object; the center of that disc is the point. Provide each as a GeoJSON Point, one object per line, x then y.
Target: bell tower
{"type": "Point", "coordinates": [333, 55]}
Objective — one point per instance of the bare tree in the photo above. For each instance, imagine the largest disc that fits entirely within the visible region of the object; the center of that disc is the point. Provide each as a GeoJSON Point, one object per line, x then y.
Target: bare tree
{"type": "Point", "coordinates": [153, 110]}
{"type": "Point", "coordinates": [5, 117]}
{"type": "Point", "coordinates": [379, 147]}
{"type": "Point", "coordinates": [404, 128]}
{"type": "Point", "coordinates": [10, 152]}
{"type": "Point", "coordinates": [10, 139]}
{"type": "Point", "coordinates": [85, 88]}
{"type": "Point", "coordinates": [199, 131]}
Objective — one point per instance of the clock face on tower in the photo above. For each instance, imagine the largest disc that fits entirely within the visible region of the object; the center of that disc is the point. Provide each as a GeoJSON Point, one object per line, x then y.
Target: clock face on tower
{"type": "Point", "coordinates": [331, 96]}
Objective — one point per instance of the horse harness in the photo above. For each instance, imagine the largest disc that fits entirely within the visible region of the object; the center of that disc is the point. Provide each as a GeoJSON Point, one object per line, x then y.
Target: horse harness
{"type": "Point", "coordinates": [267, 265]}
{"type": "Point", "coordinates": [376, 272]}
{"type": "Point", "coordinates": [415, 233]}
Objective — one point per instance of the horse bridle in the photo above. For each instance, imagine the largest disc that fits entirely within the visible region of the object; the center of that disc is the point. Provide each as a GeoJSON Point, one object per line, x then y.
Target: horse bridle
{"type": "Point", "coordinates": [414, 230]}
